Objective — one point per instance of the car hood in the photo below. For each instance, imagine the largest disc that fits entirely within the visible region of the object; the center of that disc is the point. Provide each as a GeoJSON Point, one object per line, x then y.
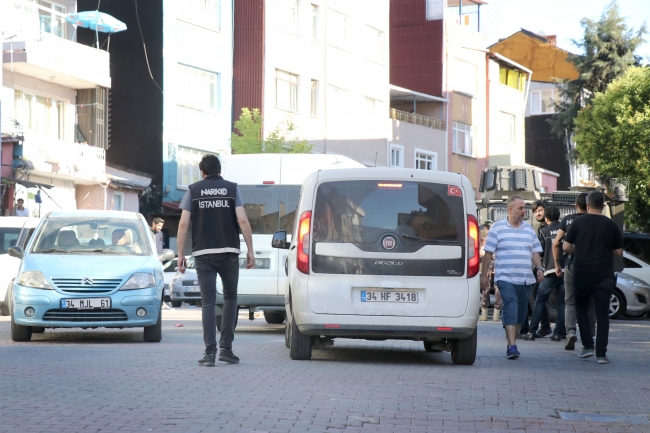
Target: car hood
{"type": "Point", "coordinates": [84, 265]}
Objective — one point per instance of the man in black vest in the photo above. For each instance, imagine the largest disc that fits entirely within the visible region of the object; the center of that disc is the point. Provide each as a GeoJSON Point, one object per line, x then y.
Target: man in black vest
{"type": "Point", "coordinates": [216, 210]}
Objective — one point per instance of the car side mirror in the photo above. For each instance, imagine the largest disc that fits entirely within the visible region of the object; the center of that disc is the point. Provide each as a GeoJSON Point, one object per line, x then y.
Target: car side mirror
{"type": "Point", "coordinates": [280, 240]}
{"type": "Point", "coordinates": [16, 252]}
{"type": "Point", "coordinates": [166, 255]}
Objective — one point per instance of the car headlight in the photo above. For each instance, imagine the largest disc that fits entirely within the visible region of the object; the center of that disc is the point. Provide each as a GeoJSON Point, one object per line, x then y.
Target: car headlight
{"type": "Point", "coordinates": [34, 279]}
{"type": "Point", "coordinates": [139, 280]}
{"type": "Point", "coordinates": [176, 280]}
{"type": "Point", "coordinates": [633, 280]}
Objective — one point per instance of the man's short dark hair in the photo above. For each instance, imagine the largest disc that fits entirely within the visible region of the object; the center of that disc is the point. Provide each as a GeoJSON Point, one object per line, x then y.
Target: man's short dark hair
{"type": "Point", "coordinates": [20, 199]}
{"type": "Point", "coordinates": [158, 220]}
{"type": "Point", "coordinates": [581, 201]}
{"type": "Point", "coordinates": [210, 165]}
{"type": "Point", "coordinates": [596, 200]}
{"type": "Point", "coordinates": [537, 204]}
{"type": "Point", "coordinates": [552, 213]}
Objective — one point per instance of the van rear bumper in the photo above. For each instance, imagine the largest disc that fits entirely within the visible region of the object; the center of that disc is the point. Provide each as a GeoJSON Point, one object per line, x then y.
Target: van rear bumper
{"type": "Point", "coordinates": [387, 332]}
{"type": "Point", "coordinates": [255, 300]}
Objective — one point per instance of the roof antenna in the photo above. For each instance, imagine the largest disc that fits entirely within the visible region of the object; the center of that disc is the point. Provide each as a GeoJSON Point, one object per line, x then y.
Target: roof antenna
{"type": "Point", "coordinates": [375, 159]}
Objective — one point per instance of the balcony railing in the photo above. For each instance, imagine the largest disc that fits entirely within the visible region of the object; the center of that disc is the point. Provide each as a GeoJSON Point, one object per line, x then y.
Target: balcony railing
{"type": "Point", "coordinates": [417, 119]}
{"type": "Point", "coordinates": [75, 159]}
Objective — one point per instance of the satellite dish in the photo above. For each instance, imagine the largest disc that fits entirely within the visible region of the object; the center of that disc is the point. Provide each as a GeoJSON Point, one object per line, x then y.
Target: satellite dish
{"type": "Point", "coordinates": [541, 33]}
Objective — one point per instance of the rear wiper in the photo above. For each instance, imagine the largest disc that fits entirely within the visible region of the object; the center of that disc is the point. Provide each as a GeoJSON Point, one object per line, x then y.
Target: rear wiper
{"type": "Point", "coordinates": [417, 238]}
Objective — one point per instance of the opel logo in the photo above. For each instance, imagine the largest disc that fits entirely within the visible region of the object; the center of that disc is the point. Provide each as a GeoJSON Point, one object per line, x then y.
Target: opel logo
{"type": "Point", "coordinates": [87, 282]}
{"type": "Point", "coordinates": [389, 242]}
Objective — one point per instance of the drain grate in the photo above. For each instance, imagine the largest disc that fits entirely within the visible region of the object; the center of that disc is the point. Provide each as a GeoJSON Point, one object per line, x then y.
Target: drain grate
{"type": "Point", "coordinates": [604, 417]}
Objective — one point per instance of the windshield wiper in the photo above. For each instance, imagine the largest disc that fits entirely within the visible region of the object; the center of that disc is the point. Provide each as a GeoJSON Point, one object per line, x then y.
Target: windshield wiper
{"type": "Point", "coordinates": [417, 238]}
{"type": "Point", "coordinates": [87, 251]}
{"type": "Point", "coordinates": [53, 250]}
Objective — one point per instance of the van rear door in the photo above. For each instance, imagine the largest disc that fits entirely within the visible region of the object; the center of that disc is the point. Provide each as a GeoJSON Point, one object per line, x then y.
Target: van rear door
{"type": "Point", "coordinates": [390, 237]}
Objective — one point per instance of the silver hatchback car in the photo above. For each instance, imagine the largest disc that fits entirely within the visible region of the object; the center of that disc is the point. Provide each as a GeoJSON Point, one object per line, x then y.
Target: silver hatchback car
{"type": "Point", "coordinates": [185, 287]}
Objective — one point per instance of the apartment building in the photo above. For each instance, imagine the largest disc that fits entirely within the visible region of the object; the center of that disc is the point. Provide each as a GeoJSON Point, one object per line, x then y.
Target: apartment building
{"type": "Point", "coordinates": [324, 64]}
{"type": "Point", "coordinates": [171, 103]}
{"type": "Point", "coordinates": [477, 97]}
{"type": "Point", "coordinates": [54, 109]}
{"type": "Point", "coordinates": [548, 64]}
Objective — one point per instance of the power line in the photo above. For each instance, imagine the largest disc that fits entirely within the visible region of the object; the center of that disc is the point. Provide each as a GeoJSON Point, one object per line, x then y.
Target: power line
{"type": "Point", "coordinates": [145, 47]}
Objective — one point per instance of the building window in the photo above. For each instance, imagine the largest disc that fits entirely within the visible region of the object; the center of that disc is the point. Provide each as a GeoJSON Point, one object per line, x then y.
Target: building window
{"type": "Point", "coordinates": [286, 90]}
{"type": "Point", "coordinates": [507, 127]}
{"type": "Point", "coordinates": [204, 13]}
{"type": "Point", "coordinates": [374, 107]}
{"type": "Point", "coordinates": [375, 44]}
{"type": "Point", "coordinates": [50, 16]}
{"type": "Point", "coordinates": [118, 201]}
{"type": "Point", "coordinates": [199, 89]}
{"type": "Point", "coordinates": [464, 77]}
{"type": "Point", "coordinates": [337, 29]}
{"type": "Point", "coordinates": [512, 78]}
{"type": "Point", "coordinates": [396, 156]}
{"type": "Point", "coordinates": [337, 99]}
{"type": "Point", "coordinates": [288, 15]}
{"type": "Point", "coordinates": [463, 139]}
{"type": "Point", "coordinates": [314, 22]}
{"type": "Point", "coordinates": [541, 101]}
{"type": "Point", "coordinates": [425, 160]}
{"type": "Point", "coordinates": [40, 114]}
{"type": "Point", "coordinates": [314, 98]}
{"type": "Point", "coordinates": [188, 165]}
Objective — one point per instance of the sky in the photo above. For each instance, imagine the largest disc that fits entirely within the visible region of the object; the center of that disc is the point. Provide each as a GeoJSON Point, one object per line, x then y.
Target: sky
{"type": "Point", "coordinates": [501, 18]}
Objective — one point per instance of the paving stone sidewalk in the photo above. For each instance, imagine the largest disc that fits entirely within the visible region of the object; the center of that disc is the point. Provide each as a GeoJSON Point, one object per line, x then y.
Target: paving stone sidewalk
{"type": "Point", "coordinates": [110, 381]}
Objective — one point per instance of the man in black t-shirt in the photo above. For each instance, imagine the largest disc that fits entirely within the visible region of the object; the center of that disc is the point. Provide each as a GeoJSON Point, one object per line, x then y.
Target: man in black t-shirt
{"type": "Point", "coordinates": [595, 240]}
{"type": "Point", "coordinates": [560, 257]}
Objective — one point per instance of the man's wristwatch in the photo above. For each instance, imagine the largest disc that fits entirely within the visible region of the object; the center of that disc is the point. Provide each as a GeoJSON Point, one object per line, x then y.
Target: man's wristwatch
{"type": "Point", "coordinates": [541, 269]}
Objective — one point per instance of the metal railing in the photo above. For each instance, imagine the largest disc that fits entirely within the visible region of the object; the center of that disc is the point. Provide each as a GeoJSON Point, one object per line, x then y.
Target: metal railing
{"type": "Point", "coordinates": [40, 148]}
{"type": "Point", "coordinates": [417, 119]}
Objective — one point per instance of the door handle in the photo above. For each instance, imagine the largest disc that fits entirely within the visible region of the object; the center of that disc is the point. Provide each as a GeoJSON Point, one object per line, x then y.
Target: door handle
{"type": "Point", "coordinates": [286, 265]}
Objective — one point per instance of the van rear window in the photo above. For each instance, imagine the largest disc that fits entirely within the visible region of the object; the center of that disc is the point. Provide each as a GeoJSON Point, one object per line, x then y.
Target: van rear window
{"type": "Point", "coordinates": [270, 208]}
{"type": "Point", "coordinates": [362, 211]}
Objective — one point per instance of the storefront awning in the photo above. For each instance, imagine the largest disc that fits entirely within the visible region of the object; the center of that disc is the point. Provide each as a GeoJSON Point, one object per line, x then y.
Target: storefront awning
{"type": "Point", "coordinates": [27, 183]}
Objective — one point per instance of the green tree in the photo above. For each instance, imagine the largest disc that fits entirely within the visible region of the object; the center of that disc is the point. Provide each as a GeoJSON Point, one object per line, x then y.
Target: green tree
{"type": "Point", "coordinates": [607, 48]}
{"type": "Point", "coordinates": [248, 138]}
{"type": "Point", "coordinates": [613, 138]}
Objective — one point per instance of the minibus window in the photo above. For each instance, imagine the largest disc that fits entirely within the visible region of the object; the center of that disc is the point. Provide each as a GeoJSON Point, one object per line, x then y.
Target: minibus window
{"type": "Point", "coordinates": [270, 208]}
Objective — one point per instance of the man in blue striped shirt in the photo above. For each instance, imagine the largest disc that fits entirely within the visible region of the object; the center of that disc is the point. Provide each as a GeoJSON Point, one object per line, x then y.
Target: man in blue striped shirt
{"type": "Point", "coordinates": [514, 245]}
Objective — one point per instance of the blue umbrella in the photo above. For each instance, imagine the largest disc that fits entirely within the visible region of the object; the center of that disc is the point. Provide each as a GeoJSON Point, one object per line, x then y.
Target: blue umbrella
{"type": "Point", "coordinates": [97, 21]}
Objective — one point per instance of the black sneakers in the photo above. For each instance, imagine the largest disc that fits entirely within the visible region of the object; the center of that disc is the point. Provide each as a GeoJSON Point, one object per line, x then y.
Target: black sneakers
{"type": "Point", "coordinates": [207, 360]}
{"type": "Point", "coordinates": [226, 355]}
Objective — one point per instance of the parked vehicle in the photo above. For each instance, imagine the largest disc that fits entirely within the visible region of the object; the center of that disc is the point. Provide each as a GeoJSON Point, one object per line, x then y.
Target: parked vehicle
{"type": "Point", "coordinates": [170, 268]}
{"type": "Point", "coordinates": [270, 187]}
{"type": "Point", "coordinates": [14, 231]}
{"type": "Point", "coordinates": [88, 269]}
{"type": "Point", "coordinates": [185, 287]}
{"type": "Point", "coordinates": [383, 254]}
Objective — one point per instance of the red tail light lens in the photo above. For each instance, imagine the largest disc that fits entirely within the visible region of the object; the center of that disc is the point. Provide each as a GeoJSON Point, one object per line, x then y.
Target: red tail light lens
{"type": "Point", "coordinates": [304, 241]}
{"type": "Point", "coordinates": [473, 255]}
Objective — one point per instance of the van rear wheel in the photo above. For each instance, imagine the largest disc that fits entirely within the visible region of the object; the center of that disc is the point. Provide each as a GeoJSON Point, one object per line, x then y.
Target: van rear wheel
{"type": "Point", "coordinates": [300, 348]}
{"type": "Point", "coordinates": [274, 317]}
{"type": "Point", "coordinates": [463, 352]}
{"type": "Point", "coordinates": [428, 346]}
{"type": "Point", "coordinates": [220, 318]}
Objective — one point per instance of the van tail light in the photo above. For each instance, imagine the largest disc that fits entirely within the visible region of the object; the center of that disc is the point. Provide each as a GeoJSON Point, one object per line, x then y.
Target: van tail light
{"type": "Point", "coordinates": [473, 255]}
{"type": "Point", "coordinates": [304, 242]}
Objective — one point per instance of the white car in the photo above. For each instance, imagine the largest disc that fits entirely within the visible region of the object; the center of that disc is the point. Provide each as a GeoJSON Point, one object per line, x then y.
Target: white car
{"type": "Point", "coordinates": [14, 231]}
{"type": "Point", "coordinates": [169, 270]}
{"type": "Point", "coordinates": [632, 294]}
{"type": "Point", "coordinates": [383, 254]}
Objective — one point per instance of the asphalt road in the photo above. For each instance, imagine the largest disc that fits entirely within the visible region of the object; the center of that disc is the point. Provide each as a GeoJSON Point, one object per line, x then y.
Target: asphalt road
{"type": "Point", "coordinates": [110, 381]}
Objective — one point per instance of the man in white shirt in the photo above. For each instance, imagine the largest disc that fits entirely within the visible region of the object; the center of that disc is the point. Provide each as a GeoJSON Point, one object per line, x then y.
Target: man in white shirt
{"type": "Point", "coordinates": [20, 210]}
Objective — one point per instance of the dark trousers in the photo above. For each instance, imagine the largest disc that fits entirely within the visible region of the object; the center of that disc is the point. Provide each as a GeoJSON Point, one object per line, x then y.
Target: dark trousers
{"type": "Point", "coordinates": [600, 289]}
{"type": "Point", "coordinates": [226, 265]}
{"type": "Point", "coordinates": [550, 282]}
{"type": "Point", "coordinates": [544, 323]}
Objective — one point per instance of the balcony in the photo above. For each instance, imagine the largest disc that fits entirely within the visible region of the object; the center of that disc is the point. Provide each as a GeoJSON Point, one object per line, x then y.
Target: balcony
{"type": "Point", "coordinates": [73, 161]}
{"type": "Point", "coordinates": [417, 119]}
{"type": "Point", "coordinates": [53, 59]}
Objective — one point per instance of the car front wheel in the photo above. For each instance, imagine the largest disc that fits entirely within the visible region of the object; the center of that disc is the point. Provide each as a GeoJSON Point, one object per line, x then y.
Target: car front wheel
{"type": "Point", "coordinates": [153, 333]}
{"type": "Point", "coordinates": [20, 332]}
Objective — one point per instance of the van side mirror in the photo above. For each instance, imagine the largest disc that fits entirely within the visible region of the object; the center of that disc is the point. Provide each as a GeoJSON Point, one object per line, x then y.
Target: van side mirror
{"type": "Point", "coordinates": [16, 252]}
{"type": "Point", "coordinates": [280, 240]}
{"type": "Point", "coordinates": [166, 255]}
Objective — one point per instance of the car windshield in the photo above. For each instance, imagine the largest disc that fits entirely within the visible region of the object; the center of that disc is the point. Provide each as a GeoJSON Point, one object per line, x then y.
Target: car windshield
{"type": "Point", "coordinates": [111, 236]}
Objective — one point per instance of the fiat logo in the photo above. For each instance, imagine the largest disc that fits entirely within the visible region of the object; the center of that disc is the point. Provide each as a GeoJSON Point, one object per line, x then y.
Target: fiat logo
{"type": "Point", "coordinates": [389, 242]}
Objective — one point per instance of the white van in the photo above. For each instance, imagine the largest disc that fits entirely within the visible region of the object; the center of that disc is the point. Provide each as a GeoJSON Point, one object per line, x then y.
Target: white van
{"type": "Point", "coordinates": [270, 186]}
{"type": "Point", "coordinates": [383, 254]}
